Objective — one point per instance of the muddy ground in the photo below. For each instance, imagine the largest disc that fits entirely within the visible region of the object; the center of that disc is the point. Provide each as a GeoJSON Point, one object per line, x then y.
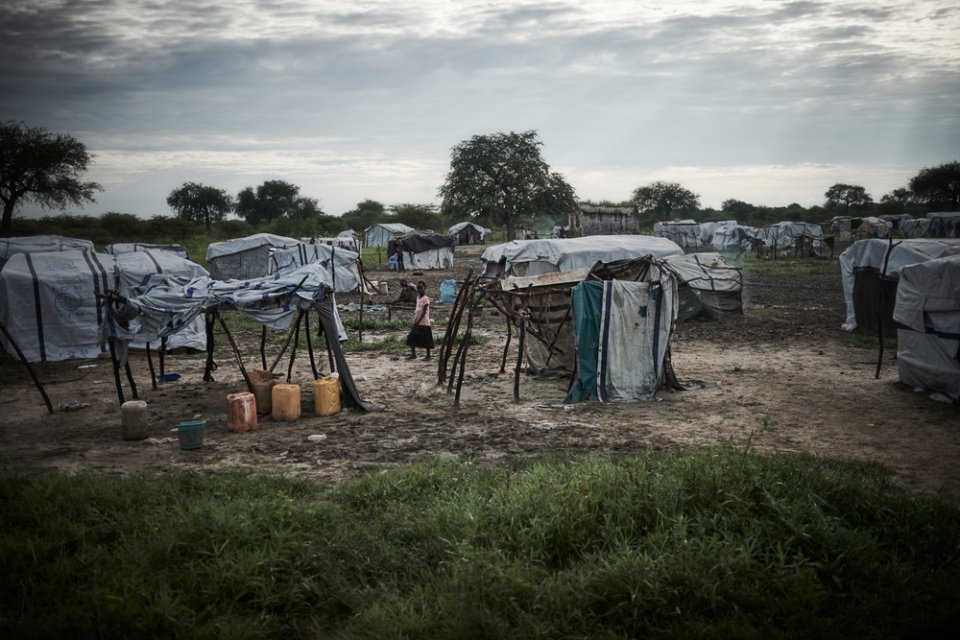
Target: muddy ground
{"type": "Point", "coordinates": [783, 378]}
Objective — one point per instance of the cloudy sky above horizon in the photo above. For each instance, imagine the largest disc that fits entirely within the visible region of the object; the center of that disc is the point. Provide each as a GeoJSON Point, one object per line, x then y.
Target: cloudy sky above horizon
{"type": "Point", "coordinates": [760, 100]}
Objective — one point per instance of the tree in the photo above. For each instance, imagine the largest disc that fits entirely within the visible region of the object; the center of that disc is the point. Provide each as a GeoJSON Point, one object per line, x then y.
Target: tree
{"type": "Point", "coordinates": [663, 199]}
{"type": "Point", "coordinates": [846, 195]}
{"type": "Point", "coordinates": [901, 197]}
{"type": "Point", "coordinates": [938, 187]}
{"type": "Point", "coordinates": [418, 216]}
{"type": "Point", "coordinates": [502, 177]}
{"type": "Point", "coordinates": [200, 203]}
{"type": "Point", "coordinates": [273, 199]}
{"type": "Point", "coordinates": [367, 213]}
{"type": "Point", "coordinates": [37, 165]}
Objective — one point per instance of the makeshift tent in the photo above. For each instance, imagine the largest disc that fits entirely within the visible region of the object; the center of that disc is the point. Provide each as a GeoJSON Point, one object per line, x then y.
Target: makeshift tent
{"type": "Point", "coordinates": [686, 233]}
{"type": "Point", "coordinates": [798, 238]}
{"type": "Point", "coordinates": [927, 314]}
{"type": "Point", "coordinates": [40, 244]}
{"type": "Point", "coordinates": [861, 265]}
{"type": "Point", "coordinates": [52, 305]}
{"type": "Point", "coordinates": [380, 235]}
{"type": "Point", "coordinates": [348, 243]}
{"type": "Point", "coordinates": [342, 264]}
{"type": "Point", "coordinates": [468, 233]}
{"type": "Point", "coordinates": [707, 230]}
{"type": "Point", "coordinates": [273, 301]}
{"type": "Point", "coordinates": [735, 238]}
{"type": "Point", "coordinates": [138, 271]}
{"type": "Point", "coordinates": [714, 285]}
{"type": "Point", "coordinates": [244, 258]}
{"type": "Point", "coordinates": [915, 228]}
{"type": "Point", "coordinates": [535, 257]}
{"type": "Point", "coordinates": [423, 250]}
{"type": "Point", "coordinates": [944, 224]}
{"type": "Point", "coordinates": [128, 247]}
{"type": "Point", "coordinates": [622, 333]}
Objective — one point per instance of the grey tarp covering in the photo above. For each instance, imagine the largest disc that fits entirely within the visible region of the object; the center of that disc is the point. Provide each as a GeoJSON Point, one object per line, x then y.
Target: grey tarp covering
{"type": "Point", "coordinates": [928, 317]}
{"type": "Point", "coordinates": [718, 283]}
{"type": "Point", "coordinates": [734, 238]}
{"type": "Point", "coordinates": [244, 258]}
{"type": "Point", "coordinates": [464, 232]}
{"type": "Point", "coordinates": [138, 271]}
{"type": "Point", "coordinates": [424, 250]}
{"type": "Point", "coordinates": [785, 235]}
{"type": "Point", "coordinates": [621, 347]}
{"type": "Point", "coordinates": [127, 247]}
{"type": "Point", "coordinates": [871, 253]}
{"type": "Point", "coordinates": [685, 233]}
{"type": "Point", "coordinates": [49, 303]}
{"type": "Point", "coordinates": [915, 228]}
{"type": "Point", "coordinates": [41, 244]}
{"type": "Point", "coordinates": [344, 272]}
{"type": "Point", "coordinates": [379, 235]}
{"type": "Point", "coordinates": [272, 301]}
{"type": "Point", "coordinates": [534, 257]}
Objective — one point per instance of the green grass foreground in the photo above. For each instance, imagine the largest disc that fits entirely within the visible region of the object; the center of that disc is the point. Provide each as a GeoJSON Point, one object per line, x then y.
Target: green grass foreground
{"type": "Point", "coordinates": [709, 544]}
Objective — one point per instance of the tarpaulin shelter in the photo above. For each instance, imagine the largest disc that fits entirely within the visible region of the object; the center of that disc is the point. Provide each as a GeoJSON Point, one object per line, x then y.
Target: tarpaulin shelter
{"type": "Point", "coordinates": [869, 298]}
{"type": "Point", "coordinates": [927, 314]}
{"type": "Point", "coordinates": [341, 264]}
{"type": "Point", "coordinates": [686, 233]}
{"type": "Point", "coordinates": [736, 238]}
{"type": "Point", "coordinates": [468, 233]}
{"type": "Point", "coordinates": [714, 286]}
{"type": "Point", "coordinates": [274, 302]}
{"type": "Point", "coordinates": [245, 258]}
{"type": "Point", "coordinates": [424, 250]}
{"type": "Point", "coordinates": [944, 224]}
{"type": "Point", "coordinates": [535, 257]}
{"type": "Point", "coordinates": [139, 271]}
{"type": "Point", "coordinates": [915, 228]}
{"type": "Point", "coordinates": [380, 234]}
{"type": "Point", "coordinates": [54, 302]}
{"type": "Point", "coordinates": [798, 238]}
{"type": "Point", "coordinates": [51, 304]}
{"type": "Point", "coordinates": [40, 244]}
{"type": "Point", "coordinates": [622, 332]}
{"type": "Point", "coordinates": [128, 247]}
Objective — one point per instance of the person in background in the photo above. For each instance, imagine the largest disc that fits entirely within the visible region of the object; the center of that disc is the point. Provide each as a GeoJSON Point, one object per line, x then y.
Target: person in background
{"type": "Point", "coordinates": [399, 254]}
{"type": "Point", "coordinates": [408, 293]}
{"type": "Point", "coordinates": [421, 334]}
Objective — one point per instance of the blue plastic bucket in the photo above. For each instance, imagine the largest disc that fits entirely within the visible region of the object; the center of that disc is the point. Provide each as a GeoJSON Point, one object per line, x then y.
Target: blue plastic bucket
{"type": "Point", "coordinates": [190, 433]}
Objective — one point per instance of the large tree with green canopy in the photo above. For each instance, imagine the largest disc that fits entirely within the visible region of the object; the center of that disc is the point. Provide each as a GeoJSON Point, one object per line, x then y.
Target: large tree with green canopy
{"type": "Point", "coordinates": [503, 178]}
{"type": "Point", "coordinates": [37, 165]}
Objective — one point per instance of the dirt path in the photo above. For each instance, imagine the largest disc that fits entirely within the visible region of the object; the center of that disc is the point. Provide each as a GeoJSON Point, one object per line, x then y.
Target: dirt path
{"type": "Point", "coordinates": [782, 378]}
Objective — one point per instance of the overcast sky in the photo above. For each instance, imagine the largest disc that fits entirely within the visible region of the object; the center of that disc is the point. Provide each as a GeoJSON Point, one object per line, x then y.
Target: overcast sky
{"type": "Point", "coordinates": [764, 101]}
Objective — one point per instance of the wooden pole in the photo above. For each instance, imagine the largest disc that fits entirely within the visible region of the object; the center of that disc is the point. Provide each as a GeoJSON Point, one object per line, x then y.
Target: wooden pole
{"type": "Point", "coordinates": [263, 346]}
{"type": "Point", "coordinates": [506, 348]}
{"type": "Point", "coordinates": [116, 369]}
{"type": "Point", "coordinates": [236, 352]}
{"type": "Point", "coordinates": [282, 351]}
{"type": "Point", "coordinates": [463, 357]}
{"type": "Point", "coordinates": [520, 344]}
{"type": "Point", "coordinates": [153, 375]}
{"type": "Point", "coordinates": [453, 326]}
{"type": "Point", "coordinates": [208, 367]}
{"type": "Point", "coordinates": [883, 278]}
{"type": "Point", "coordinates": [33, 375]}
{"type": "Point", "coordinates": [306, 331]}
{"type": "Point", "coordinates": [296, 342]}
{"type": "Point", "coordinates": [163, 353]}
{"type": "Point", "coordinates": [133, 385]}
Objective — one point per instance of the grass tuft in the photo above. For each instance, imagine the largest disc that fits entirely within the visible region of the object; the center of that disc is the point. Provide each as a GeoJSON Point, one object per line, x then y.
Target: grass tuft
{"type": "Point", "coordinates": [714, 543]}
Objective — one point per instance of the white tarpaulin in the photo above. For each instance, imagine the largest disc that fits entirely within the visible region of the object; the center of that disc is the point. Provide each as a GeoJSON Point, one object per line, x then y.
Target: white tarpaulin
{"type": "Point", "coordinates": [341, 263]}
{"type": "Point", "coordinates": [928, 334]}
{"type": "Point", "coordinates": [49, 303]}
{"type": "Point", "coordinates": [636, 322]}
{"type": "Point", "coordinates": [534, 257]}
{"type": "Point", "coordinates": [379, 235]}
{"type": "Point", "coordinates": [139, 271]}
{"type": "Point", "coordinates": [128, 247]}
{"type": "Point", "coordinates": [245, 258]}
{"type": "Point", "coordinates": [40, 244]}
{"type": "Point", "coordinates": [784, 235]}
{"type": "Point", "coordinates": [871, 254]}
{"type": "Point", "coordinates": [685, 233]}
